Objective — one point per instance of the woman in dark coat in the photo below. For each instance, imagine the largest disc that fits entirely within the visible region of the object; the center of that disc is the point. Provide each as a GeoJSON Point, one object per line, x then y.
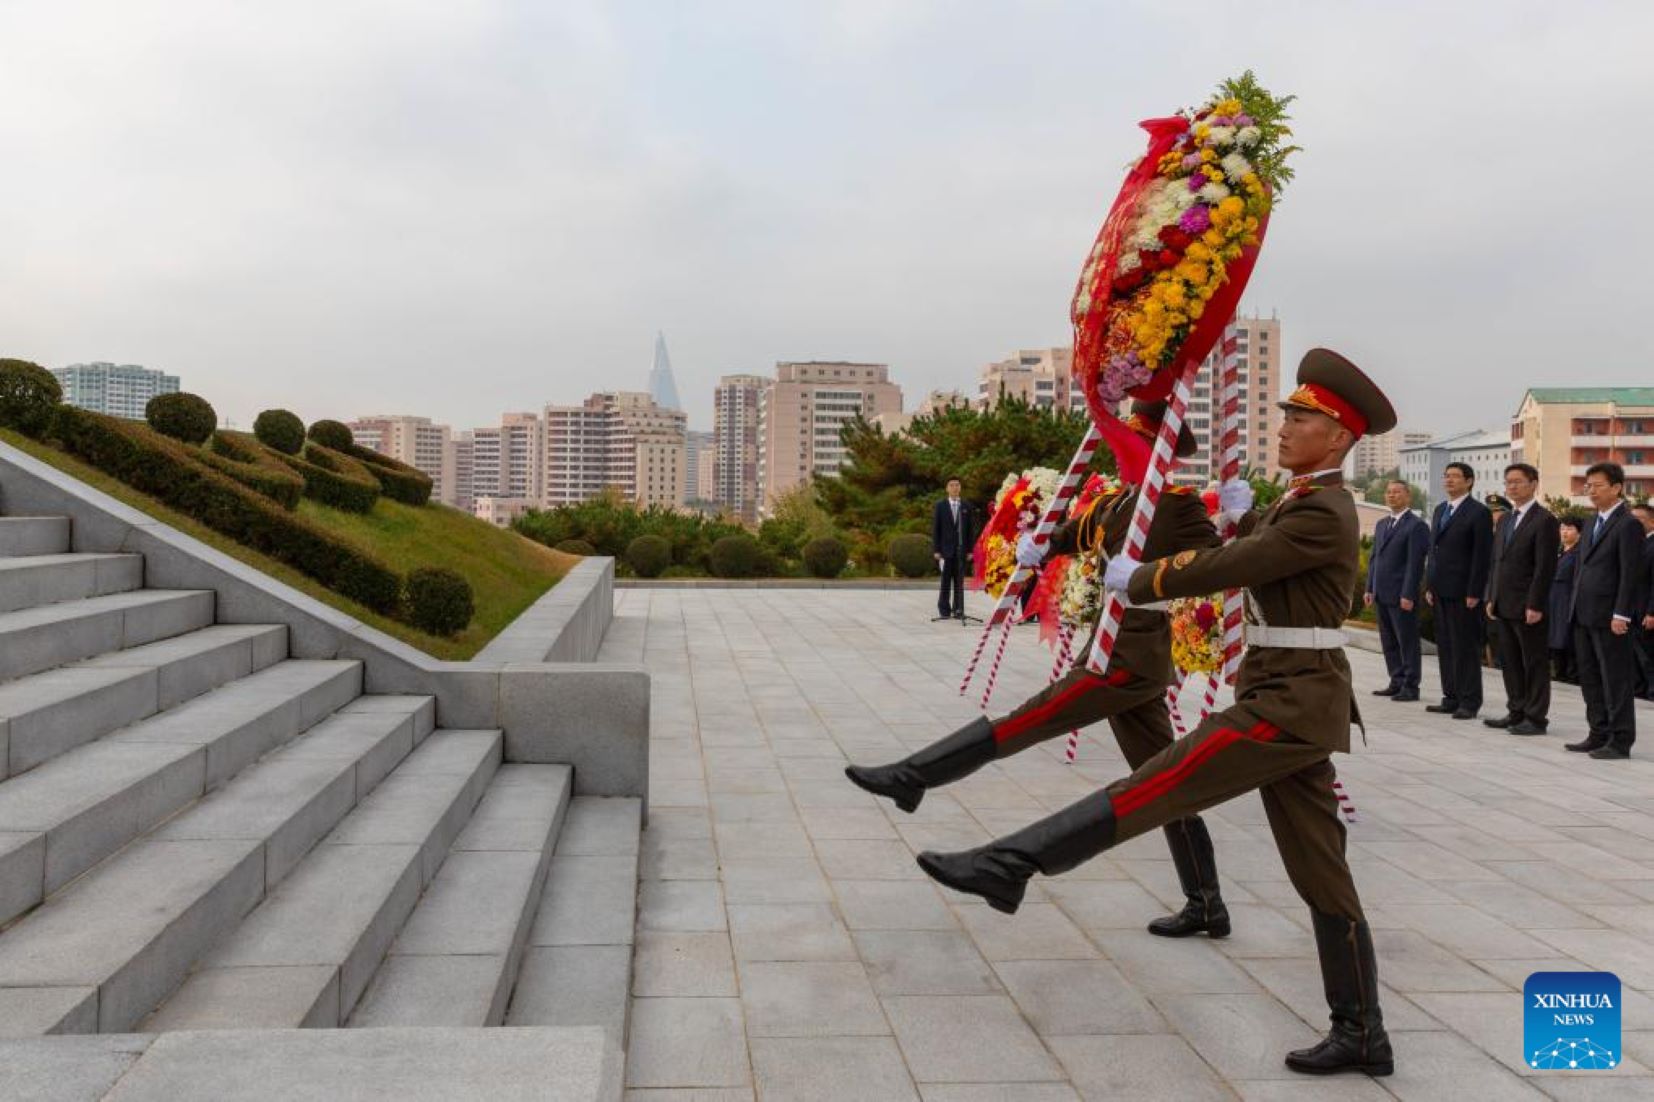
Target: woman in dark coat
{"type": "Point", "coordinates": [1560, 638]}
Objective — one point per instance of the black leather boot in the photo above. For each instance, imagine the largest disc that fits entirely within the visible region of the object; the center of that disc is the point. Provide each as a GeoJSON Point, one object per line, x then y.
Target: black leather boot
{"type": "Point", "coordinates": [999, 871]}
{"type": "Point", "coordinates": [959, 755]}
{"type": "Point", "coordinates": [1357, 1041]}
{"type": "Point", "coordinates": [1197, 869]}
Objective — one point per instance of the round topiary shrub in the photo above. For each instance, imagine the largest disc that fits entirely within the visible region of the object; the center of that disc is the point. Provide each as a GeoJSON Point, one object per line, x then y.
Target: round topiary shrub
{"type": "Point", "coordinates": [333, 434]}
{"type": "Point", "coordinates": [279, 429]}
{"type": "Point", "coordinates": [911, 555]}
{"type": "Point", "coordinates": [182, 416]}
{"type": "Point", "coordinates": [575, 547]}
{"type": "Point", "coordinates": [734, 557]}
{"type": "Point", "coordinates": [28, 395]}
{"type": "Point", "coordinates": [825, 557]}
{"type": "Point", "coordinates": [648, 556]}
{"type": "Point", "coordinates": [438, 600]}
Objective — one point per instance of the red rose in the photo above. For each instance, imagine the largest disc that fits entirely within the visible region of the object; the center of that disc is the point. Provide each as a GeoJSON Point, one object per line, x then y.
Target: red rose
{"type": "Point", "coordinates": [1150, 259]}
{"type": "Point", "coordinates": [1174, 238]}
{"type": "Point", "coordinates": [1168, 259]}
{"type": "Point", "coordinates": [1129, 282]}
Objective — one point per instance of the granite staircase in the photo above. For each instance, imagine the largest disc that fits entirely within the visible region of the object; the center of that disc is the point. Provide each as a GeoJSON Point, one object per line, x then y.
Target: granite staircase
{"type": "Point", "coordinates": [207, 844]}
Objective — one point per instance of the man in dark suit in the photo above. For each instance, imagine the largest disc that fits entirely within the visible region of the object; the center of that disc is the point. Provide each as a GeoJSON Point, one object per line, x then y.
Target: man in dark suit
{"type": "Point", "coordinates": [1461, 545]}
{"type": "Point", "coordinates": [1608, 600]}
{"type": "Point", "coordinates": [952, 534]}
{"type": "Point", "coordinates": [1518, 592]}
{"type": "Point", "coordinates": [1395, 573]}
{"type": "Point", "coordinates": [1644, 634]}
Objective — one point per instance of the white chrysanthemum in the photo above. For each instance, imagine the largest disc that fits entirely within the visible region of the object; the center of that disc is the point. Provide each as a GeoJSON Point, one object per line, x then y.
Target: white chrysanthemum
{"type": "Point", "coordinates": [1235, 166]}
{"type": "Point", "coordinates": [1214, 193]}
{"type": "Point", "coordinates": [1221, 135]}
{"type": "Point", "coordinates": [1183, 198]}
{"type": "Point", "coordinates": [1247, 136]}
{"type": "Point", "coordinates": [1128, 263]}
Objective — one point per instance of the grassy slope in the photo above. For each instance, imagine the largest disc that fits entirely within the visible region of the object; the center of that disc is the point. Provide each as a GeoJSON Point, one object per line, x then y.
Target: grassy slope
{"type": "Point", "coordinates": [507, 572]}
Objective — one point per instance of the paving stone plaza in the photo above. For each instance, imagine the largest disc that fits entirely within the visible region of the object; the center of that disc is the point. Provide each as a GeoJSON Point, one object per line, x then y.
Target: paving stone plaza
{"type": "Point", "coordinates": [787, 946]}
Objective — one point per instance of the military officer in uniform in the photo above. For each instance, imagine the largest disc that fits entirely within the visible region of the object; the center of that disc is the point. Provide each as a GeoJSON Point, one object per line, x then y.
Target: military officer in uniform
{"type": "Point", "coordinates": [1293, 709]}
{"type": "Point", "coordinates": [1131, 696]}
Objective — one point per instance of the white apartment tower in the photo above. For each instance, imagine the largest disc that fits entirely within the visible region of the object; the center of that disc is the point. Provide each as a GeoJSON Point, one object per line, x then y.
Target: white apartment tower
{"type": "Point", "coordinates": [1260, 383]}
{"type": "Point", "coordinates": [415, 441]}
{"type": "Point", "coordinates": [801, 413]}
{"type": "Point", "coordinates": [735, 444]}
{"type": "Point", "coordinates": [120, 390]}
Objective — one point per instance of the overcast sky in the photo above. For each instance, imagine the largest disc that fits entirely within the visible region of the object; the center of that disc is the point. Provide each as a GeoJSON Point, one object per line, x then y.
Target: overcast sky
{"type": "Point", "coordinates": [457, 208]}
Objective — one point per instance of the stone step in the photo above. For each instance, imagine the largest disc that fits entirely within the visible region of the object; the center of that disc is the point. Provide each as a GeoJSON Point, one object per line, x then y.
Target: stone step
{"type": "Point", "coordinates": [456, 959]}
{"type": "Point", "coordinates": [64, 817]}
{"type": "Point", "coordinates": [577, 970]}
{"type": "Point", "coordinates": [36, 639]}
{"type": "Point", "coordinates": [33, 536]}
{"type": "Point", "coordinates": [50, 713]}
{"type": "Point", "coordinates": [305, 955]}
{"type": "Point", "coordinates": [27, 581]}
{"type": "Point", "coordinates": [295, 1065]}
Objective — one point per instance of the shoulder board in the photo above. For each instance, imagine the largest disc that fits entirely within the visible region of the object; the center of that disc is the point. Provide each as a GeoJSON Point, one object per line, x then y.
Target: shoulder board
{"type": "Point", "coordinates": [1178, 489]}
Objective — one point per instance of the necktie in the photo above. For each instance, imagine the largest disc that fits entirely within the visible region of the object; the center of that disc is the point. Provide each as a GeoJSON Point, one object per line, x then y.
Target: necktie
{"type": "Point", "coordinates": [1597, 531]}
{"type": "Point", "coordinates": [1510, 528]}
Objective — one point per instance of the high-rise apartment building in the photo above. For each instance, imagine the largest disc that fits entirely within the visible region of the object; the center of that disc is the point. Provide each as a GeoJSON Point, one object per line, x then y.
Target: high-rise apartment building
{"type": "Point", "coordinates": [1382, 453]}
{"type": "Point", "coordinates": [1563, 430]}
{"type": "Point", "coordinates": [735, 444]}
{"type": "Point", "coordinates": [1042, 377]}
{"type": "Point", "coordinates": [700, 467]}
{"type": "Point", "coordinates": [120, 390]}
{"type": "Point", "coordinates": [1260, 382]}
{"type": "Point", "coordinates": [801, 413]}
{"type": "Point", "coordinates": [464, 496]}
{"type": "Point", "coordinates": [417, 442]}
{"type": "Point", "coordinates": [507, 460]}
{"type": "Point", "coordinates": [619, 439]}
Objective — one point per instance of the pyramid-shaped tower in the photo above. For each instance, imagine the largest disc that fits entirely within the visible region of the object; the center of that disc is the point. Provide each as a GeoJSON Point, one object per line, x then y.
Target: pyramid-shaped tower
{"type": "Point", "coordinates": [662, 387]}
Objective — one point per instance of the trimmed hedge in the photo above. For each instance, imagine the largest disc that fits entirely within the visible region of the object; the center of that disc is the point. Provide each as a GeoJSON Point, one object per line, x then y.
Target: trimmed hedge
{"type": "Point", "coordinates": [332, 434]}
{"type": "Point", "coordinates": [825, 557]}
{"type": "Point", "coordinates": [281, 430]}
{"type": "Point", "coordinates": [648, 556]}
{"type": "Point", "coordinates": [28, 396]}
{"type": "Point", "coordinates": [174, 474]}
{"type": "Point", "coordinates": [250, 463]}
{"type": "Point", "coordinates": [575, 547]}
{"type": "Point", "coordinates": [438, 600]}
{"type": "Point", "coordinates": [735, 557]}
{"type": "Point", "coordinates": [334, 478]}
{"type": "Point", "coordinates": [397, 480]}
{"type": "Point", "coordinates": [182, 416]}
{"type": "Point", "coordinates": [911, 555]}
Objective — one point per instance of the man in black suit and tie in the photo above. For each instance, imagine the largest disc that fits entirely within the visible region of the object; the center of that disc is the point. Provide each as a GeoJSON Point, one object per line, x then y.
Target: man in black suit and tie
{"type": "Point", "coordinates": [1644, 634]}
{"type": "Point", "coordinates": [1608, 600]}
{"type": "Point", "coordinates": [1461, 545]}
{"type": "Point", "coordinates": [1518, 592]}
{"type": "Point", "coordinates": [1395, 572]}
{"type": "Point", "coordinates": [952, 534]}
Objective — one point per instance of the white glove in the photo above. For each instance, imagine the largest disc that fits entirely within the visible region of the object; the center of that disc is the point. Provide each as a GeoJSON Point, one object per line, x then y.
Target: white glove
{"type": "Point", "coordinates": [1030, 553]}
{"type": "Point", "coordinates": [1235, 497]}
{"type": "Point", "coordinates": [1117, 574]}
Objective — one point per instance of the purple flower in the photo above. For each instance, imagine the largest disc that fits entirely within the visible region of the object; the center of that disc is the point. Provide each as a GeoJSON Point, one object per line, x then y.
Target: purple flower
{"type": "Point", "coordinates": [1198, 181]}
{"type": "Point", "coordinates": [1219, 120]}
{"type": "Point", "coordinates": [1196, 220]}
{"type": "Point", "coordinates": [1120, 375]}
{"type": "Point", "coordinates": [1242, 120]}
{"type": "Point", "coordinates": [1192, 160]}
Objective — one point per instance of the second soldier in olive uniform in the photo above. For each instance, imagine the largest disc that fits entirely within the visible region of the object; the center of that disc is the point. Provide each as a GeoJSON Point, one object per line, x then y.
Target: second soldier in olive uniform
{"type": "Point", "coordinates": [1131, 696]}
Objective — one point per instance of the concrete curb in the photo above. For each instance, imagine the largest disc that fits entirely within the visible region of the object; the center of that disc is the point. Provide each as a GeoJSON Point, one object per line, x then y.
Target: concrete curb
{"type": "Point", "coordinates": [558, 712]}
{"type": "Point", "coordinates": [775, 583]}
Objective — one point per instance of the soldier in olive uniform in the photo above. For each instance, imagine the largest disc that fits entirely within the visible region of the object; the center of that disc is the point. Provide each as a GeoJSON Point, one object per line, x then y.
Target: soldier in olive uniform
{"type": "Point", "coordinates": [1131, 696]}
{"type": "Point", "coordinates": [1293, 708]}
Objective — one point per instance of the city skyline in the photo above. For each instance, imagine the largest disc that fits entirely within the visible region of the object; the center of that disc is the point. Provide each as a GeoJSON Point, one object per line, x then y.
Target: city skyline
{"type": "Point", "coordinates": [467, 206]}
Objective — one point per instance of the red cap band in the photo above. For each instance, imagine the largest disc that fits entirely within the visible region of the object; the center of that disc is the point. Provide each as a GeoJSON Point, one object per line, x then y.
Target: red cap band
{"type": "Point", "coordinates": [1318, 398]}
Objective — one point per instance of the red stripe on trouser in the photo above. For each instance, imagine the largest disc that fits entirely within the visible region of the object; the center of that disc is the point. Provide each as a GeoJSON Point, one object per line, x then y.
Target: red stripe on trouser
{"type": "Point", "coordinates": [1134, 799]}
{"type": "Point", "coordinates": [1014, 726]}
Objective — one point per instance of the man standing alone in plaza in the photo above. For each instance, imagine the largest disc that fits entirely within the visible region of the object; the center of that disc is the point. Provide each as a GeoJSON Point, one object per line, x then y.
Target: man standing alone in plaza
{"type": "Point", "coordinates": [1608, 600]}
{"type": "Point", "coordinates": [1461, 544]}
{"type": "Point", "coordinates": [1395, 573]}
{"type": "Point", "coordinates": [1519, 590]}
{"type": "Point", "coordinates": [952, 533]}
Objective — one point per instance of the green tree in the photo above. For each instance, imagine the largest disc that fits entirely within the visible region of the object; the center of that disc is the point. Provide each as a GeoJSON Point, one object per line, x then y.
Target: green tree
{"type": "Point", "coordinates": [889, 482]}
